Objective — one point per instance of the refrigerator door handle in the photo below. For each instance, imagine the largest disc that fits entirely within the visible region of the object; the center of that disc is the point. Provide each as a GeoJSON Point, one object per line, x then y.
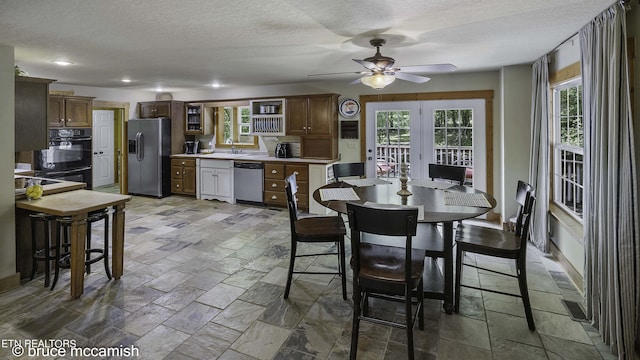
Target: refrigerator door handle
{"type": "Point", "coordinates": [140, 147]}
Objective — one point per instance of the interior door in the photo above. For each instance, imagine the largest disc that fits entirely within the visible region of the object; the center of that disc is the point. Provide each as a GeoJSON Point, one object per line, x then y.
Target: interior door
{"type": "Point", "coordinates": [103, 148]}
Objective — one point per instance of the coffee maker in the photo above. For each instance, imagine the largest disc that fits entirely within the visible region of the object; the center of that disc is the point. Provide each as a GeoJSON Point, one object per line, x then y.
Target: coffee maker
{"type": "Point", "coordinates": [191, 147]}
{"type": "Point", "coordinates": [283, 150]}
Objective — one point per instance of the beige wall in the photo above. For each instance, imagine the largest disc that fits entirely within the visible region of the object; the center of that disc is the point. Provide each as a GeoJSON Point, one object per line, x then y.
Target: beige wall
{"type": "Point", "coordinates": [515, 133]}
{"type": "Point", "coordinates": [7, 197]}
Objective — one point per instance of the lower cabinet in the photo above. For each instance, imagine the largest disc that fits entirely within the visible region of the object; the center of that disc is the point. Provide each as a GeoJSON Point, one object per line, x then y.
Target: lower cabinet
{"type": "Point", "coordinates": [216, 180]}
{"type": "Point", "coordinates": [274, 183]}
{"type": "Point", "coordinates": [183, 176]}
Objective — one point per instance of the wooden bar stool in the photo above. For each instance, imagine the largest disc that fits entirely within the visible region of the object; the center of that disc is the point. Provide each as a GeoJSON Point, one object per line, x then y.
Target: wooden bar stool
{"type": "Point", "coordinates": [63, 259]}
{"type": "Point", "coordinates": [42, 254]}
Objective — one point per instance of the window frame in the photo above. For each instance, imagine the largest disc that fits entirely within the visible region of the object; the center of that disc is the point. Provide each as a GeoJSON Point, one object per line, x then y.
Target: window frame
{"type": "Point", "coordinates": [558, 149]}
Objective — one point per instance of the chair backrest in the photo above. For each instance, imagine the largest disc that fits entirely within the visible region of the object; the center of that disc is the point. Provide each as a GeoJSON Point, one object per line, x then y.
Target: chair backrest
{"type": "Point", "coordinates": [523, 222]}
{"type": "Point", "coordinates": [452, 173]}
{"type": "Point", "coordinates": [341, 170]}
{"type": "Point", "coordinates": [389, 221]}
{"type": "Point", "coordinates": [291, 188]}
{"type": "Point", "coordinates": [521, 192]}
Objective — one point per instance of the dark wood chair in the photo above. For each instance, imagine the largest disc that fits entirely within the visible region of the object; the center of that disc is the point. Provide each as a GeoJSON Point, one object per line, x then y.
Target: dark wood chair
{"type": "Point", "coordinates": [521, 195]}
{"type": "Point", "coordinates": [502, 244]}
{"type": "Point", "coordinates": [455, 174]}
{"type": "Point", "coordinates": [383, 270]}
{"type": "Point", "coordinates": [313, 229]}
{"type": "Point", "coordinates": [342, 170]}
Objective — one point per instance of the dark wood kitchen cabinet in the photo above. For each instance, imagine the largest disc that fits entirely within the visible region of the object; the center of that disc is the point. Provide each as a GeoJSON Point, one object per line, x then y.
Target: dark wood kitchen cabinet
{"type": "Point", "coordinates": [31, 104]}
{"type": "Point", "coordinates": [183, 176]}
{"type": "Point", "coordinates": [175, 110]}
{"type": "Point", "coordinates": [315, 119]}
{"type": "Point", "coordinates": [70, 111]}
{"type": "Point", "coordinates": [312, 115]}
{"type": "Point", "coordinates": [274, 183]}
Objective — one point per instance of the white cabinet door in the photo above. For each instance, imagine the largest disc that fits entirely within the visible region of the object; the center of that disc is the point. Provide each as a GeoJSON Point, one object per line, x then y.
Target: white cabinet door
{"type": "Point", "coordinates": [223, 182]}
{"type": "Point", "coordinates": [207, 181]}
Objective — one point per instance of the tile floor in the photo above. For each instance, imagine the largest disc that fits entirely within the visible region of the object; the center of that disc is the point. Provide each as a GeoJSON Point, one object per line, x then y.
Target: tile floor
{"type": "Point", "coordinates": [204, 280]}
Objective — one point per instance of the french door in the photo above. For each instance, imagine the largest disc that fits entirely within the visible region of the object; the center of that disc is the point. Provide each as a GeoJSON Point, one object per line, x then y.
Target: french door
{"type": "Point", "coordinates": [422, 132]}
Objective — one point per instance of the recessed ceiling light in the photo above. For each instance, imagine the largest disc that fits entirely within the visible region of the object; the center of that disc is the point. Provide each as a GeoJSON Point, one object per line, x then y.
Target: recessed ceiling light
{"type": "Point", "coordinates": [159, 89]}
{"type": "Point", "coordinates": [62, 62]}
{"type": "Point", "coordinates": [216, 85]}
{"type": "Point", "coordinates": [126, 80]}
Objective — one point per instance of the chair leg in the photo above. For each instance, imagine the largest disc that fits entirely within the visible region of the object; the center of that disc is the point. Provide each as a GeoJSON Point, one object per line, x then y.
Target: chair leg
{"type": "Point", "coordinates": [47, 254]}
{"type": "Point", "coordinates": [459, 259]}
{"type": "Point", "coordinates": [524, 292]}
{"type": "Point", "coordinates": [34, 262]}
{"type": "Point", "coordinates": [106, 247]}
{"type": "Point", "coordinates": [342, 267]}
{"type": "Point", "coordinates": [59, 243]}
{"type": "Point", "coordinates": [291, 264]}
{"type": "Point", "coordinates": [408, 321]}
{"type": "Point", "coordinates": [355, 328]}
{"type": "Point", "coordinates": [421, 304]}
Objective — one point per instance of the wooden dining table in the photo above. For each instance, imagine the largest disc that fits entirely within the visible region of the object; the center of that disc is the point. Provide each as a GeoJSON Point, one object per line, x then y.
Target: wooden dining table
{"type": "Point", "coordinates": [77, 205]}
{"type": "Point", "coordinates": [431, 201]}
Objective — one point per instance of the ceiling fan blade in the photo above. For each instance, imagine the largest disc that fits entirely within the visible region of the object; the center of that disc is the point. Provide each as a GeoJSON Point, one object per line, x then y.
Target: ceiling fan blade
{"type": "Point", "coordinates": [341, 73]}
{"type": "Point", "coordinates": [432, 68]}
{"type": "Point", "coordinates": [356, 81]}
{"type": "Point", "coordinates": [368, 64]}
{"type": "Point", "coordinates": [413, 78]}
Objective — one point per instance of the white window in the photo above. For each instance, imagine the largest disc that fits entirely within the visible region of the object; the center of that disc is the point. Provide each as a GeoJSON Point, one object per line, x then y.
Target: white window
{"type": "Point", "coordinates": [568, 151]}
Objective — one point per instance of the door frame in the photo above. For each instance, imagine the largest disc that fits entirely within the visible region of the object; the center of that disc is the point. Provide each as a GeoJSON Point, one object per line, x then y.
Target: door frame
{"type": "Point", "coordinates": [487, 95]}
{"type": "Point", "coordinates": [121, 114]}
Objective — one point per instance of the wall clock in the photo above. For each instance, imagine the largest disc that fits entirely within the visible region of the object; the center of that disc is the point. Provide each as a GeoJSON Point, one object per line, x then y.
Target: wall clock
{"type": "Point", "coordinates": [349, 108]}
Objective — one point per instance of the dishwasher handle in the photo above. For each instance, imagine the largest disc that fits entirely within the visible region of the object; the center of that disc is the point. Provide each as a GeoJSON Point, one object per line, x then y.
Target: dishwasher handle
{"type": "Point", "coordinates": [248, 165]}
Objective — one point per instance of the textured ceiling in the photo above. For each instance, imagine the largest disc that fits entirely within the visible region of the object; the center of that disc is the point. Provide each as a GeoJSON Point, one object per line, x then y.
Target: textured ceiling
{"type": "Point", "coordinates": [190, 44]}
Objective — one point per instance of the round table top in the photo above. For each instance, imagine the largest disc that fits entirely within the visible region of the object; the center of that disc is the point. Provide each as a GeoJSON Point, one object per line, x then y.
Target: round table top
{"type": "Point", "coordinates": [433, 200]}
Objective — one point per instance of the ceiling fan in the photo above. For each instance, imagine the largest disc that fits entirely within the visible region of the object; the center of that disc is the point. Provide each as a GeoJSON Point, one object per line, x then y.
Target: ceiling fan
{"type": "Point", "coordinates": [381, 71]}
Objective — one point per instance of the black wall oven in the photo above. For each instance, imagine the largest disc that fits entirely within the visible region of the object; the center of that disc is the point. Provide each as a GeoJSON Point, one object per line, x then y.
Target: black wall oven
{"type": "Point", "coordinates": [69, 156]}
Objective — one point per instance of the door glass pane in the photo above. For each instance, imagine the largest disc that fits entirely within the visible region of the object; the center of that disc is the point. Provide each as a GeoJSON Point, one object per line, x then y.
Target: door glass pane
{"type": "Point", "coordinates": [453, 138]}
{"type": "Point", "coordinates": [393, 138]}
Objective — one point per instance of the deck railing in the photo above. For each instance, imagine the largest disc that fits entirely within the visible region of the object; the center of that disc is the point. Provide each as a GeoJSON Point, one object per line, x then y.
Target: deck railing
{"type": "Point", "coordinates": [388, 158]}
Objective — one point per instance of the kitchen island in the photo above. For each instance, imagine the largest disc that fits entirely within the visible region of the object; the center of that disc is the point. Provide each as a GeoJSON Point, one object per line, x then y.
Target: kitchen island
{"type": "Point", "coordinates": [77, 205]}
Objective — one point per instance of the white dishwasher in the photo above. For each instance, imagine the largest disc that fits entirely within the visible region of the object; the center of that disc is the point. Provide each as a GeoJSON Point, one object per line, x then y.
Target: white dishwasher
{"type": "Point", "coordinates": [248, 182]}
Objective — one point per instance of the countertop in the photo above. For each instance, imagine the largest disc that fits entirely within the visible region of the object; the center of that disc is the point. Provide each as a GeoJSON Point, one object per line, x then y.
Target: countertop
{"type": "Point", "coordinates": [48, 189]}
{"type": "Point", "coordinates": [247, 156]}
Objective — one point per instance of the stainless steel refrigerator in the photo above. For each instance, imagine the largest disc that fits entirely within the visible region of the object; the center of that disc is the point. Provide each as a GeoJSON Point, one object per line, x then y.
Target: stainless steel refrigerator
{"type": "Point", "coordinates": [149, 147]}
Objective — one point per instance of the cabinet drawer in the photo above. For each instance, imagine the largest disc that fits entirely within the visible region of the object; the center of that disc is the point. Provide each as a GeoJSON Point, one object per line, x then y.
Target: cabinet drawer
{"type": "Point", "coordinates": [274, 171]}
{"type": "Point", "coordinates": [176, 186]}
{"type": "Point", "coordinates": [278, 185]}
{"type": "Point", "coordinates": [275, 198]}
{"type": "Point", "coordinates": [183, 162]}
{"type": "Point", "coordinates": [301, 171]}
{"type": "Point", "coordinates": [176, 172]}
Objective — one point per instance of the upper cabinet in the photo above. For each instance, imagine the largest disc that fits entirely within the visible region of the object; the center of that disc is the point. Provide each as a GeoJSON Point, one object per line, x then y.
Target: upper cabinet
{"type": "Point", "coordinates": [172, 109]}
{"type": "Point", "coordinates": [312, 115]}
{"type": "Point", "coordinates": [315, 119]}
{"type": "Point", "coordinates": [199, 120]}
{"type": "Point", "coordinates": [70, 111]}
{"type": "Point", "coordinates": [31, 101]}
{"type": "Point", "coordinates": [153, 109]}
{"type": "Point", "coordinates": [267, 117]}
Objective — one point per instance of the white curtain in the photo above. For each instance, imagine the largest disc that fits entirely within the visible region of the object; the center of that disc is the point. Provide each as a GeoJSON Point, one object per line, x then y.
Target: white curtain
{"type": "Point", "coordinates": [539, 154]}
{"type": "Point", "coordinates": [611, 204]}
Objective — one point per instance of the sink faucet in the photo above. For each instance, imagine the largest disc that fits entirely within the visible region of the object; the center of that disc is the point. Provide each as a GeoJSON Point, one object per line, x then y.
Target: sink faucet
{"type": "Point", "coordinates": [233, 147]}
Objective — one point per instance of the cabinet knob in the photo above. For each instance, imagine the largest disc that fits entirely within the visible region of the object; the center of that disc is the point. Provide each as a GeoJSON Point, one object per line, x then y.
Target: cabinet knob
{"type": "Point", "coordinates": [274, 171]}
{"type": "Point", "coordinates": [274, 197]}
{"type": "Point", "coordinates": [177, 186]}
{"type": "Point", "coordinates": [177, 172]}
{"type": "Point", "coordinates": [274, 185]}
{"type": "Point", "coordinates": [68, 120]}
{"type": "Point", "coordinates": [183, 163]}
{"type": "Point", "coordinates": [61, 120]}
{"type": "Point", "coordinates": [296, 173]}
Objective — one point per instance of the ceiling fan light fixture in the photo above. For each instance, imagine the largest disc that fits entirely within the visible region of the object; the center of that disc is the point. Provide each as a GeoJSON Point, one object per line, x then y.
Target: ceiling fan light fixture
{"type": "Point", "coordinates": [378, 81]}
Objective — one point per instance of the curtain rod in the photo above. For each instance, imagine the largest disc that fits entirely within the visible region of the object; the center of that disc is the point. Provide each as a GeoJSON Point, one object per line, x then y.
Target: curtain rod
{"type": "Point", "coordinates": [624, 2]}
